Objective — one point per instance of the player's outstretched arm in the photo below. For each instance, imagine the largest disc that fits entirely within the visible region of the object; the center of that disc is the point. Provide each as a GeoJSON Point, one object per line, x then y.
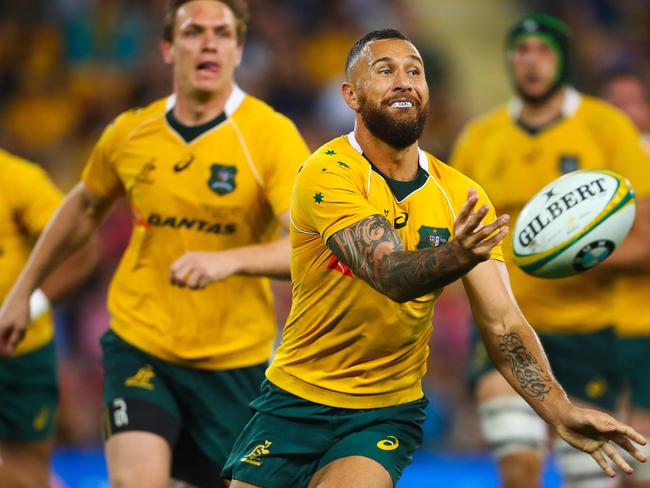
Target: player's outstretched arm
{"type": "Point", "coordinates": [71, 228]}
{"type": "Point", "coordinates": [373, 250]}
{"type": "Point", "coordinates": [198, 269]}
{"type": "Point", "coordinates": [517, 353]}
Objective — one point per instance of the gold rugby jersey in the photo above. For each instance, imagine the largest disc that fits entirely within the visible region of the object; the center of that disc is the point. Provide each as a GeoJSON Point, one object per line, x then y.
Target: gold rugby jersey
{"type": "Point", "coordinates": [345, 344]}
{"type": "Point", "coordinates": [206, 188]}
{"type": "Point", "coordinates": [632, 317]}
{"type": "Point", "coordinates": [513, 163]}
{"type": "Point", "coordinates": [27, 201]}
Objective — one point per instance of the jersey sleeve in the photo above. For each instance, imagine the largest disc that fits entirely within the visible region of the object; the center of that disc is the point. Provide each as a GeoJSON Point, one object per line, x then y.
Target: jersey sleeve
{"type": "Point", "coordinates": [483, 199]}
{"type": "Point", "coordinates": [629, 158]}
{"type": "Point", "coordinates": [99, 174]}
{"type": "Point", "coordinates": [286, 151]}
{"type": "Point", "coordinates": [32, 194]}
{"type": "Point", "coordinates": [328, 199]}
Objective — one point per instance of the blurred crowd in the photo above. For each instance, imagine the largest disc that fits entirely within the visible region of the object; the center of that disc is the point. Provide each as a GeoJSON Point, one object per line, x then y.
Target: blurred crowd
{"type": "Point", "coordinates": [68, 67]}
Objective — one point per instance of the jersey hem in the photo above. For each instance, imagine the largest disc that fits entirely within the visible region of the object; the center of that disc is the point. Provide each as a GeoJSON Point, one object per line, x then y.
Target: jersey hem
{"type": "Point", "coordinates": [339, 399]}
{"type": "Point", "coordinates": [254, 356]}
{"type": "Point", "coordinates": [39, 333]}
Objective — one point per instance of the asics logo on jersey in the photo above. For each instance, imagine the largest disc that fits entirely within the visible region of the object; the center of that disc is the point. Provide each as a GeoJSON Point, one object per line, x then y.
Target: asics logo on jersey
{"type": "Point", "coordinates": [184, 163]}
{"type": "Point", "coordinates": [401, 220]}
{"type": "Point", "coordinates": [258, 451]}
{"type": "Point", "coordinates": [222, 179]}
{"type": "Point", "coordinates": [389, 444]}
{"type": "Point", "coordinates": [142, 379]}
{"type": "Point", "coordinates": [199, 225]}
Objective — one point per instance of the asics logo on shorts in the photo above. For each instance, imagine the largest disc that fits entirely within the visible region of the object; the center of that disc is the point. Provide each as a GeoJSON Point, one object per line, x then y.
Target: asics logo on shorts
{"type": "Point", "coordinates": [40, 420]}
{"type": "Point", "coordinates": [258, 451]}
{"type": "Point", "coordinates": [142, 379]}
{"type": "Point", "coordinates": [389, 444]}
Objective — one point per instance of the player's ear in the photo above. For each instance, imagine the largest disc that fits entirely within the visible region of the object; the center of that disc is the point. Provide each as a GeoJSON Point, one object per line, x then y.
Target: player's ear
{"type": "Point", "coordinates": [349, 92]}
{"type": "Point", "coordinates": [167, 50]}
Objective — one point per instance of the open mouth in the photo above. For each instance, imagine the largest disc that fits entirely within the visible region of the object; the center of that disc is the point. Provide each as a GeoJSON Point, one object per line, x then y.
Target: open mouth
{"type": "Point", "coordinates": [208, 67]}
{"type": "Point", "coordinates": [401, 104]}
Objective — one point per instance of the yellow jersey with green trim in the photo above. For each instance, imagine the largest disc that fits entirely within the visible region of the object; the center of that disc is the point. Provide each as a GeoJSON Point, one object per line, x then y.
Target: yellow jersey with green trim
{"type": "Point", "coordinates": [28, 199]}
{"type": "Point", "coordinates": [513, 163]}
{"type": "Point", "coordinates": [345, 344]}
{"type": "Point", "coordinates": [208, 188]}
{"type": "Point", "coordinates": [632, 290]}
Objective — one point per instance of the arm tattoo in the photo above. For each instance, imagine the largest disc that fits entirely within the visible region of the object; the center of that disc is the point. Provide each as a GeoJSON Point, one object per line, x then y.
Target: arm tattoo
{"type": "Point", "coordinates": [530, 375]}
{"type": "Point", "coordinates": [374, 252]}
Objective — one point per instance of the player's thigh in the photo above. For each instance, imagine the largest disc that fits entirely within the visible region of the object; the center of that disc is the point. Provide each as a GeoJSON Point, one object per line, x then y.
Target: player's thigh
{"type": "Point", "coordinates": [25, 464]}
{"type": "Point", "coordinates": [142, 420]}
{"type": "Point", "coordinates": [352, 472]}
{"type": "Point", "coordinates": [384, 437]}
{"type": "Point", "coordinates": [29, 396]}
{"type": "Point", "coordinates": [137, 459]}
{"type": "Point", "coordinates": [215, 406]}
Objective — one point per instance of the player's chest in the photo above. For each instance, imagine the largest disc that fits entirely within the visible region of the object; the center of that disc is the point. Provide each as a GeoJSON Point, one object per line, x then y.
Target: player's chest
{"type": "Point", "coordinates": [423, 219]}
{"type": "Point", "coordinates": [214, 171]}
{"type": "Point", "coordinates": [512, 165]}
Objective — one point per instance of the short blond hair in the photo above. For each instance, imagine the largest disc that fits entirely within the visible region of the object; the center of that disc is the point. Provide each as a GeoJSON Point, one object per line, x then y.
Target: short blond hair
{"type": "Point", "coordinates": [238, 7]}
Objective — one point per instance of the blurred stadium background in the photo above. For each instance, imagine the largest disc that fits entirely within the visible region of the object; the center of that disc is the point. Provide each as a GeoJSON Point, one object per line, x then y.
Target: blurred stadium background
{"type": "Point", "coordinates": [67, 67]}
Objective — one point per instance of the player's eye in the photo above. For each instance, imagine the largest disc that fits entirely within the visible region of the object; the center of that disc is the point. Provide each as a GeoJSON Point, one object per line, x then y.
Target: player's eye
{"type": "Point", "coordinates": [224, 33]}
{"type": "Point", "coordinates": [384, 71]}
{"type": "Point", "coordinates": [192, 31]}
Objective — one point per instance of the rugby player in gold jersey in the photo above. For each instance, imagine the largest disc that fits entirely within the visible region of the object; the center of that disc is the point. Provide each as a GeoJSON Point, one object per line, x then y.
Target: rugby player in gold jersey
{"type": "Point", "coordinates": [378, 228]}
{"type": "Point", "coordinates": [208, 173]}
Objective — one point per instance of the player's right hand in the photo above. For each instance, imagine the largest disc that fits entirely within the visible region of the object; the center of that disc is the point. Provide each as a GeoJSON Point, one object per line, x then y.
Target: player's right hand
{"type": "Point", "coordinates": [14, 318]}
{"type": "Point", "coordinates": [475, 240]}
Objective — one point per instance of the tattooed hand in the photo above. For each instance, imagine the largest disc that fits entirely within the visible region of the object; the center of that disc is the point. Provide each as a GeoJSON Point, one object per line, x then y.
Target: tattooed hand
{"type": "Point", "coordinates": [374, 252]}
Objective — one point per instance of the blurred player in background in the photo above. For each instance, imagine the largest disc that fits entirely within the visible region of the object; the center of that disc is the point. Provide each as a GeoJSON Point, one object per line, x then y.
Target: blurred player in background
{"type": "Point", "coordinates": [378, 228]}
{"type": "Point", "coordinates": [628, 91]}
{"type": "Point", "coordinates": [28, 379]}
{"type": "Point", "coordinates": [208, 173]}
{"type": "Point", "coordinates": [550, 129]}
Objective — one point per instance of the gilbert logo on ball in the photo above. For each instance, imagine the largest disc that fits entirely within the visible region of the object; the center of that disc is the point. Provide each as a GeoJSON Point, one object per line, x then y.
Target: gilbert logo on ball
{"type": "Point", "coordinates": [573, 223]}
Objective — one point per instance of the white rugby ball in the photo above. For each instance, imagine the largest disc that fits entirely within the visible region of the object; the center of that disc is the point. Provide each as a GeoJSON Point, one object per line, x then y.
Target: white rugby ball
{"type": "Point", "coordinates": [573, 223]}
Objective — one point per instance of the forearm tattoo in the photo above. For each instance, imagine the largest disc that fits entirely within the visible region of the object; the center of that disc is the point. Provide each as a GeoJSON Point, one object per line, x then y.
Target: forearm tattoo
{"type": "Point", "coordinates": [374, 252]}
{"type": "Point", "coordinates": [530, 375]}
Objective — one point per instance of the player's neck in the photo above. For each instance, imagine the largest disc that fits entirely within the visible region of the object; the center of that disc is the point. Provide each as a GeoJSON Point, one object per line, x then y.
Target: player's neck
{"type": "Point", "coordinates": [198, 108]}
{"type": "Point", "coordinates": [398, 164]}
{"type": "Point", "coordinates": [540, 115]}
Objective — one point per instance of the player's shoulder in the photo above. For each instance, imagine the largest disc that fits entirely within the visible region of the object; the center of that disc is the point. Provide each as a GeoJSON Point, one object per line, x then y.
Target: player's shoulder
{"type": "Point", "coordinates": [451, 178]}
{"type": "Point", "coordinates": [254, 113]}
{"type": "Point", "coordinates": [495, 117]}
{"type": "Point", "coordinates": [337, 154]}
{"type": "Point", "coordinates": [134, 117]}
{"type": "Point", "coordinates": [18, 167]}
{"type": "Point", "coordinates": [599, 111]}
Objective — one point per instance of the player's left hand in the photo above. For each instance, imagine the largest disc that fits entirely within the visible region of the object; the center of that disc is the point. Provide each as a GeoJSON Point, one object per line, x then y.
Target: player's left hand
{"type": "Point", "coordinates": [198, 269]}
{"type": "Point", "coordinates": [596, 433]}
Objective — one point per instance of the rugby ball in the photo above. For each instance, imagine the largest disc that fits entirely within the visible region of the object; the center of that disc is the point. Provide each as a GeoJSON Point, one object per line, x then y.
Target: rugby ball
{"type": "Point", "coordinates": [573, 223]}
